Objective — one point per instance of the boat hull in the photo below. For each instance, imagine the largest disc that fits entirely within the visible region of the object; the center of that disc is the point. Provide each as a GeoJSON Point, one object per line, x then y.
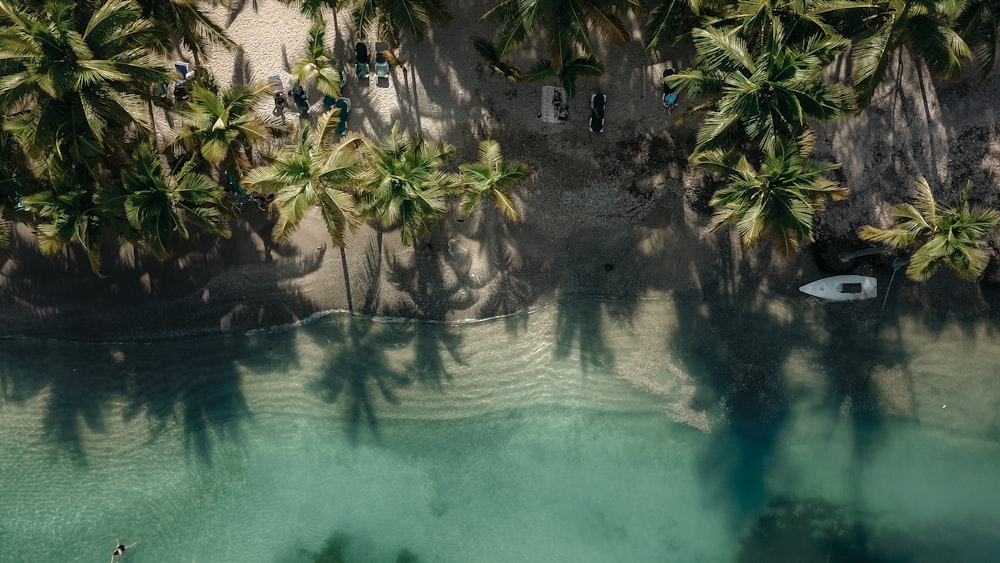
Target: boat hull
{"type": "Point", "coordinates": [842, 288]}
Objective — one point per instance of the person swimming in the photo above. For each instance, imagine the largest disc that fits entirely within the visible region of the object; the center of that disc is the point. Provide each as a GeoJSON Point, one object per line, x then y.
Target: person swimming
{"type": "Point", "coordinates": [120, 551]}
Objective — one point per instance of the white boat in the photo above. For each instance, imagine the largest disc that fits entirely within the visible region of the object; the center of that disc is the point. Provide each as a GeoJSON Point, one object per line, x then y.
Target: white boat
{"type": "Point", "coordinates": [842, 288]}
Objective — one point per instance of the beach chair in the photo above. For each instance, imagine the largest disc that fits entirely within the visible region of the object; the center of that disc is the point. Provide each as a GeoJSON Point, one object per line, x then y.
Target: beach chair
{"type": "Point", "coordinates": [344, 105]}
{"type": "Point", "coordinates": [597, 102]}
{"type": "Point", "coordinates": [553, 108]}
{"type": "Point", "coordinates": [669, 94]}
{"type": "Point", "coordinates": [381, 66]}
{"type": "Point", "coordinates": [361, 55]}
{"type": "Point", "coordinates": [182, 92]}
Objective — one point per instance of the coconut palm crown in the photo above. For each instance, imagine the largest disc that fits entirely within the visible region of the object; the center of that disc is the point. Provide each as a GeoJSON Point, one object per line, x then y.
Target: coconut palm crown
{"type": "Point", "coordinates": [951, 237]}
{"type": "Point", "coordinates": [75, 76]}
{"type": "Point", "coordinates": [927, 28]}
{"type": "Point", "coordinates": [403, 185]}
{"type": "Point", "coordinates": [312, 172]}
{"type": "Point", "coordinates": [389, 19]}
{"type": "Point", "coordinates": [160, 206]}
{"type": "Point", "coordinates": [778, 201]}
{"type": "Point", "coordinates": [181, 24]}
{"type": "Point", "coordinates": [492, 178]}
{"type": "Point", "coordinates": [318, 64]}
{"type": "Point", "coordinates": [566, 27]}
{"type": "Point", "coordinates": [219, 125]}
{"type": "Point", "coordinates": [759, 93]}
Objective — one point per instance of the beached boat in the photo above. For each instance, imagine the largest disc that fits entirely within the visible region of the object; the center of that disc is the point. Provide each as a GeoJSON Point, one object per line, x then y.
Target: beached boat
{"type": "Point", "coordinates": [842, 288]}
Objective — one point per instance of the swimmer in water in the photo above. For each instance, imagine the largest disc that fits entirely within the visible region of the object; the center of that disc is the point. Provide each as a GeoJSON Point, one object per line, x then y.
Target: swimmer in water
{"type": "Point", "coordinates": [119, 551]}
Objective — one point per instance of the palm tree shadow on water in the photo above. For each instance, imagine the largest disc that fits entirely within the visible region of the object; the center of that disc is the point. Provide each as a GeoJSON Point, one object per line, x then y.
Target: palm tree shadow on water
{"type": "Point", "coordinates": [858, 364]}
{"type": "Point", "coordinates": [815, 530]}
{"type": "Point", "coordinates": [88, 382]}
{"type": "Point", "coordinates": [204, 395]}
{"type": "Point", "coordinates": [171, 382]}
{"type": "Point", "coordinates": [359, 368]}
{"type": "Point", "coordinates": [735, 343]}
{"type": "Point", "coordinates": [734, 348]}
{"type": "Point", "coordinates": [337, 549]}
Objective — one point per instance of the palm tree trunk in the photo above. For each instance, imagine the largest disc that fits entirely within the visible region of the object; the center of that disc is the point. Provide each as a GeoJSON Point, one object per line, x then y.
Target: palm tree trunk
{"type": "Point", "coordinates": [152, 124]}
{"type": "Point", "coordinates": [347, 279]}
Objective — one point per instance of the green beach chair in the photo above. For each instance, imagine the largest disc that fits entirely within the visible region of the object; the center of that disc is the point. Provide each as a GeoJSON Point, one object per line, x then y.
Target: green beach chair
{"type": "Point", "coordinates": [344, 105]}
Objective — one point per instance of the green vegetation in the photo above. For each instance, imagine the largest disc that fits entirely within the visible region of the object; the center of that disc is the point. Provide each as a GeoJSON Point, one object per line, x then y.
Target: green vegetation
{"type": "Point", "coordinates": [777, 201]}
{"type": "Point", "coordinates": [318, 64]}
{"type": "Point", "coordinates": [566, 29]}
{"type": "Point", "coordinates": [80, 162]}
{"type": "Point", "coordinates": [403, 185]}
{"type": "Point", "coordinates": [492, 178]}
{"type": "Point", "coordinates": [952, 236]}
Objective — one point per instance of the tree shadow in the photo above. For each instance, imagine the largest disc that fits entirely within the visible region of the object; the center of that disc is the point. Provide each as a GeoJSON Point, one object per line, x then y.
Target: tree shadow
{"type": "Point", "coordinates": [205, 398]}
{"type": "Point", "coordinates": [358, 369]}
{"type": "Point", "coordinates": [336, 549]}
{"type": "Point", "coordinates": [734, 346]}
{"type": "Point", "coordinates": [809, 530]}
{"type": "Point", "coordinates": [431, 296]}
{"type": "Point", "coordinates": [191, 385]}
{"type": "Point", "coordinates": [135, 295]}
{"type": "Point", "coordinates": [855, 360]}
{"type": "Point", "coordinates": [119, 331]}
{"type": "Point", "coordinates": [814, 530]}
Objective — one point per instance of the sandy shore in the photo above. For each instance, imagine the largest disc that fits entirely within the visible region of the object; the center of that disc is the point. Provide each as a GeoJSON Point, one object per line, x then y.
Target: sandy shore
{"type": "Point", "coordinates": [617, 214]}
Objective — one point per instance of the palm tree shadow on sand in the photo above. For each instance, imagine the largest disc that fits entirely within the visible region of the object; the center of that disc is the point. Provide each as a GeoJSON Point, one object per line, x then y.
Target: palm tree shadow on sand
{"type": "Point", "coordinates": [149, 366]}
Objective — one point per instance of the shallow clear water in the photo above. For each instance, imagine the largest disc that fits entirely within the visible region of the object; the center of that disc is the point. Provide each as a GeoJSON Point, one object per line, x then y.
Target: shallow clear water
{"type": "Point", "coordinates": [632, 431]}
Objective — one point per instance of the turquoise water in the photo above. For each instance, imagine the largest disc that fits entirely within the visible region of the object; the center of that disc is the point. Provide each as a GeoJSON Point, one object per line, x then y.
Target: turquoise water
{"type": "Point", "coordinates": [604, 431]}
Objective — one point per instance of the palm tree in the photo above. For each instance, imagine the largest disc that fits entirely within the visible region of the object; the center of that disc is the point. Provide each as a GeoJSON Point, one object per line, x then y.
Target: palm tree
{"type": "Point", "coordinates": [924, 27]}
{"type": "Point", "coordinates": [670, 21]}
{"type": "Point", "coordinates": [762, 93]}
{"type": "Point", "coordinates": [219, 125]}
{"type": "Point", "coordinates": [314, 173]}
{"type": "Point", "coordinates": [69, 215]}
{"type": "Point", "coordinates": [953, 236]}
{"type": "Point", "coordinates": [158, 205]}
{"type": "Point", "coordinates": [318, 63]}
{"type": "Point", "coordinates": [314, 8]}
{"type": "Point", "coordinates": [565, 24]}
{"type": "Point", "coordinates": [757, 19]}
{"type": "Point", "coordinates": [389, 19]}
{"type": "Point", "coordinates": [979, 26]}
{"type": "Point", "coordinates": [75, 78]}
{"type": "Point", "coordinates": [568, 74]}
{"type": "Point", "coordinates": [182, 24]}
{"type": "Point", "coordinates": [403, 186]}
{"type": "Point", "coordinates": [494, 60]}
{"type": "Point", "coordinates": [778, 201]}
{"type": "Point", "coordinates": [492, 178]}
